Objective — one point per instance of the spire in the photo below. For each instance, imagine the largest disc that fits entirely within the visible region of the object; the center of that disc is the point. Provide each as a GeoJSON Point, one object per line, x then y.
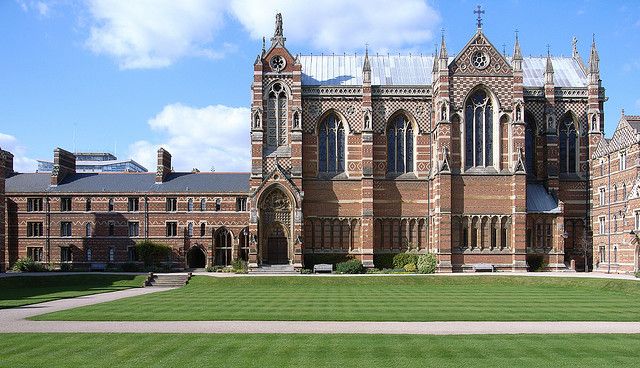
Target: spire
{"type": "Point", "coordinates": [278, 35]}
{"type": "Point", "coordinates": [594, 59]}
{"type": "Point", "coordinates": [517, 55]}
{"type": "Point", "coordinates": [264, 49]}
{"type": "Point", "coordinates": [574, 47]}
{"type": "Point", "coordinates": [366, 67]}
{"type": "Point", "coordinates": [443, 47]}
{"type": "Point", "coordinates": [435, 58]}
{"type": "Point", "coordinates": [548, 73]}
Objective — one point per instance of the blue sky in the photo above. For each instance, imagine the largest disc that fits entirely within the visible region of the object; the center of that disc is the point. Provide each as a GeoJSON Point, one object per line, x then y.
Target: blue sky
{"type": "Point", "coordinates": [129, 76]}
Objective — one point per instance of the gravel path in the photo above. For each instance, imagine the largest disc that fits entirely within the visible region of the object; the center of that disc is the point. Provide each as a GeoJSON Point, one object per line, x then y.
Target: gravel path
{"type": "Point", "coordinates": [14, 320]}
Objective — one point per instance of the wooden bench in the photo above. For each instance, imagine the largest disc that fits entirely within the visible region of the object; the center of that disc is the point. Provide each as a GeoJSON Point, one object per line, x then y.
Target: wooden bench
{"type": "Point", "coordinates": [483, 267]}
{"type": "Point", "coordinates": [322, 267]}
{"type": "Point", "coordinates": [98, 267]}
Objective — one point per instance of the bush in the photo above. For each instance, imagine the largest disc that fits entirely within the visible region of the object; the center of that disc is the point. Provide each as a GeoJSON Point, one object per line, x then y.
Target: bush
{"type": "Point", "coordinates": [66, 267]}
{"type": "Point", "coordinates": [306, 271]}
{"type": "Point", "coordinates": [410, 267]}
{"type": "Point", "coordinates": [29, 265]}
{"type": "Point", "coordinates": [350, 266]}
{"type": "Point", "coordinates": [536, 263]}
{"type": "Point", "coordinates": [427, 263]}
{"type": "Point", "coordinates": [240, 266]}
{"type": "Point", "coordinates": [152, 253]}
{"type": "Point", "coordinates": [638, 274]}
{"type": "Point", "coordinates": [383, 260]}
{"type": "Point", "coordinates": [402, 259]}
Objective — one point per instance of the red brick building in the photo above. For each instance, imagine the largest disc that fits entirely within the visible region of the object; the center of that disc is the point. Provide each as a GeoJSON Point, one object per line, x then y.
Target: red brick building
{"type": "Point", "coordinates": [480, 158]}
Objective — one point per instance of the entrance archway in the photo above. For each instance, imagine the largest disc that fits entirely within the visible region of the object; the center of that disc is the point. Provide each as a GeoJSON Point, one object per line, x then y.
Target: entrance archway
{"type": "Point", "coordinates": [277, 246]}
{"type": "Point", "coordinates": [196, 258]}
{"type": "Point", "coordinates": [223, 247]}
{"type": "Point", "coordinates": [276, 217]}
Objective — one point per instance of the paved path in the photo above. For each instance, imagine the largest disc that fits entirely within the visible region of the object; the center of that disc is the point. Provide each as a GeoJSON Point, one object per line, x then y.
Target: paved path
{"type": "Point", "coordinates": [13, 320]}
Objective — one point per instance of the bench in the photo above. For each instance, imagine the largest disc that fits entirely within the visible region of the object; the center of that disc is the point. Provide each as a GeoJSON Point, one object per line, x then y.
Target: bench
{"type": "Point", "coordinates": [322, 267]}
{"type": "Point", "coordinates": [98, 267]}
{"type": "Point", "coordinates": [483, 267]}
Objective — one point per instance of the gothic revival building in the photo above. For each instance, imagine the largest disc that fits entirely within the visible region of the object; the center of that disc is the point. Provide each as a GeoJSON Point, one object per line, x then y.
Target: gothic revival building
{"type": "Point", "coordinates": [478, 158]}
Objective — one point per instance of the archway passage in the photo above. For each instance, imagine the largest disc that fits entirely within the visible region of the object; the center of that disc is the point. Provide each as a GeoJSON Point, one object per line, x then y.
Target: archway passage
{"type": "Point", "coordinates": [277, 247]}
{"type": "Point", "coordinates": [196, 258]}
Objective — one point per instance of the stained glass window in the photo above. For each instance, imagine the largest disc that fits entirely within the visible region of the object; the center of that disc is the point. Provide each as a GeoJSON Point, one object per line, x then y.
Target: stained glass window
{"type": "Point", "coordinates": [567, 142]}
{"type": "Point", "coordinates": [400, 146]}
{"type": "Point", "coordinates": [331, 145]}
{"type": "Point", "coordinates": [479, 130]}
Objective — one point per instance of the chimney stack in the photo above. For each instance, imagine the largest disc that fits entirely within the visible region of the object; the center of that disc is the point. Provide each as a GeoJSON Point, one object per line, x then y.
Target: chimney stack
{"type": "Point", "coordinates": [6, 159]}
{"type": "Point", "coordinates": [64, 164]}
{"type": "Point", "coordinates": [164, 165]}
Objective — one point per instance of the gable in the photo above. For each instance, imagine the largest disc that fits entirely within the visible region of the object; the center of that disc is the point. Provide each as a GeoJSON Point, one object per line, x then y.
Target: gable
{"type": "Point", "coordinates": [480, 58]}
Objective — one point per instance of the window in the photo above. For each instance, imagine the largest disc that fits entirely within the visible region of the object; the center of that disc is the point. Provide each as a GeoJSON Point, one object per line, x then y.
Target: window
{"type": "Point", "coordinates": [35, 253]}
{"type": "Point", "coordinates": [241, 204]}
{"type": "Point", "coordinates": [110, 209]}
{"type": "Point", "coordinates": [548, 240]}
{"type": "Point", "coordinates": [568, 145]}
{"type": "Point", "coordinates": [65, 228]}
{"type": "Point", "coordinates": [131, 254]}
{"type": "Point", "coordinates": [615, 223]}
{"type": "Point", "coordinates": [601, 167]}
{"type": "Point", "coordinates": [87, 205]}
{"type": "Point", "coordinates": [112, 254]}
{"type": "Point", "coordinates": [624, 191]}
{"type": "Point", "coordinates": [65, 254]}
{"type": "Point", "coordinates": [479, 130]}
{"type": "Point", "coordinates": [190, 229]}
{"type": "Point", "coordinates": [615, 193]}
{"type": "Point", "coordinates": [636, 215]}
{"type": "Point", "coordinates": [87, 230]}
{"type": "Point", "coordinates": [602, 198]}
{"type": "Point", "coordinates": [203, 204]}
{"type": "Point", "coordinates": [34, 229]}
{"type": "Point", "coordinates": [623, 160]}
{"type": "Point", "coordinates": [89, 254]}
{"type": "Point", "coordinates": [134, 229]}
{"type": "Point", "coordinates": [203, 229]}
{"type": "Point", "coordinates": [602, 225]}
{"type": "Point", "coordinates": [603, 254]}
{"type": "Point", "coordinates": [172, 204]}
{"type": "Point", "coordinates": [65, 204]}
{"type": "Point", "coordinates": [400, 146]}
{"type": "Point", "coordinates": [190, 205]}
{"type": "Point", "coordinates": [218, 204]}
{"type": "Point", "coordinates": [34, 205]}
{"type": "Point", "coordinates": [134, 204]}
{"type": "Point", "coordinates": [276, 117]}
{"type": "Point", "coordinates": [615, 253]}
{"type": "Point", "coordinates": [112, 228]}
{"type": "Point", "coordinates": [331, 145]}
{"type": "Point", "coordinates": [172, 228]}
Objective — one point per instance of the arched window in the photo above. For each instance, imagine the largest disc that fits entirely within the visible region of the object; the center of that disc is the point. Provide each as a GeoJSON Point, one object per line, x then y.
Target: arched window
{"type": "Point", "coordinates": [331, 146]}
{"type": "Point", "coordinates": [110, 204]}
{"type": "Point", "coordinates": [190, 205]}
{"type": "Point", "coordinates": [203, 204]}
{"type": "Point", "coordinates": [479, 130]}
{"type": "Point", "coordinates": [223, 247]}
{"type": "Point", "coordinates": [568, 145]}
{"type": "Point", "coordinates": [400, 146]}
{"type": "Point", "coordinates": [276, 116]}
{"type": "Point", "coordinates": [87, 229]}
{"type": "Point", "coordinates": [203, 229]}
{"type": "Point", "coordinates": [530, 145]}
{"type": "Point", "coordinates": [190, 229]}
{"type": "Point", "coordinates": [624, 191]}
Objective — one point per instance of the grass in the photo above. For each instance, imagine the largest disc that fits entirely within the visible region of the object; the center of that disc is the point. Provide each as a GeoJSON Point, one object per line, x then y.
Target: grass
{"type": "Point", "coordinates": [174, 350]}
{"type": "Point", "coordinates": [22, 290]}
{"type": "Point", "coordinates": [377, 298]}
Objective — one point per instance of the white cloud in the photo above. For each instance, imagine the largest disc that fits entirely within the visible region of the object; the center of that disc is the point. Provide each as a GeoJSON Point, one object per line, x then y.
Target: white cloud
{"type": "Point", "coordinates": [41, 7]}
{"type": "Point", "coordinates": [154, 33]}
{"type": "Point", "coordinates": [21, 162]}
{"type": "Point", "coordinates": [213, 136]}
{"type": "Point", "coordinates": [342, 25]}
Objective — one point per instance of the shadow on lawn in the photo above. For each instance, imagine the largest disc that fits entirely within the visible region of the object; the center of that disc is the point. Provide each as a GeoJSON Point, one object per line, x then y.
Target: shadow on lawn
{"type": "Point", "coordinates": [24, 290]}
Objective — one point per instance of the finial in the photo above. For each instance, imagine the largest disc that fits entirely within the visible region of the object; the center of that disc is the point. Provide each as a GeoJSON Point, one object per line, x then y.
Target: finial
{"type": "Point", "coordinates": [548, 50]}
{"type": "Point", "coordinates": [504, 49]}
{"type": "Point", "coordinates": [264, 48]}
{"type": "Point", "coordinates": [278, 35]}
{"type": "Point", "coordinates": [622, 112]}
{"type": "Point", "coordinates": [479, 11]}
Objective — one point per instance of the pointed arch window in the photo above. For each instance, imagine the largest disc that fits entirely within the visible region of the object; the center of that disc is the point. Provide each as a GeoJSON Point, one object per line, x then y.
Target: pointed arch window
{"type": "Point", "coordinates": [400, 143]}
{"type": "Point", "coordinates": [530, 146]}
{"type": "Point", "coordinates": [276, 116]}
{"type": "Point", "coordinates": [479, 130]}
{"type": "Point", "coordinates": [568, 145]}
{"type": "Point", "coordinates": [331, 145]}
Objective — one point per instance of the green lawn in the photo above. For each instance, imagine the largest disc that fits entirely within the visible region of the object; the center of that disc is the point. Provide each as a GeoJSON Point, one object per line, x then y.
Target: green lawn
{"type": "Point", "coordinates": [378, 298]}
{"type": "Point", "coordinates": [22, 290]}
{"type": "Point", "coordinates": [170, 350]}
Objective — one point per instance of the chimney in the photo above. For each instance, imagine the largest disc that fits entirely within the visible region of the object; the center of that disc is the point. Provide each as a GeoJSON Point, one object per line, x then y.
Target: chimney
{"type": "Point", "coordinates": [164, 165]}
{"type": "Point", "coordinates": [64, 164]}
{"type": "Point", "coordinates": [7, 162]}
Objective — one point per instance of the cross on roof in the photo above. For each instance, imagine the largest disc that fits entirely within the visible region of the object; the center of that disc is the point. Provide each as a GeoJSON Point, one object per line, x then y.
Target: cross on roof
{"type": "Point", "coordinates": [479, 11]}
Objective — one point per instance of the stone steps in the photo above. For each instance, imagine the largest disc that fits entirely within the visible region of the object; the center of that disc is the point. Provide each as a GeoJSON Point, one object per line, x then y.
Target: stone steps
{"type": "Point", "coordinates": [168, 280]}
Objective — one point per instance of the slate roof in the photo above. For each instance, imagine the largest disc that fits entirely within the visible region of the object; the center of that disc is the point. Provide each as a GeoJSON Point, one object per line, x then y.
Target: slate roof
{"type": "Point", "coordinates": [130, 183]}
{"type": "Point", "coordinates": [539, 200]}
{"type": "Point", "coordinates": [410, 70]}
{"type": "Point", "coordinates": [625, 135]}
